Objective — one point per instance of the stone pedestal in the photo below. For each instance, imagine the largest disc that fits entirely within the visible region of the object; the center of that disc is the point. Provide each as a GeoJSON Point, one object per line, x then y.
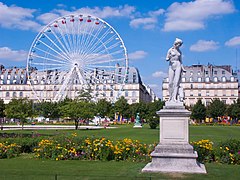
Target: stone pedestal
{"type": "Point", "coordinates": [174, 153]}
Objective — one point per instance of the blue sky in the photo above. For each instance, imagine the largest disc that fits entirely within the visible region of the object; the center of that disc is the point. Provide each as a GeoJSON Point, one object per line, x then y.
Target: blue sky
{"type": "Point", "coordinates": [210, 30]}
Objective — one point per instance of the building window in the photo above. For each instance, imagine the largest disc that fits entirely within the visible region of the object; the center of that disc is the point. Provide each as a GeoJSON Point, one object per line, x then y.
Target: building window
{"type": "Point", "coordinates": [207, 79]}
{"type": "Point", "coordinates": [207, 93]}
{"type": "Point", "coordinates": [21, 94]}
{"type": "Point", "coordinates": [183, 79]}
{"type": "Point", "coordinates": [206, 72]}
{"type": "Point", "coordinates": [111, 94]}
{"type": "Point", "coordinates": [215, 79]}
{"type": "Point", "coordinates": [126, 93]}
{"type": "Point", "coordinates": [232, 79]}
{"type": "Point", "coordinates": [215, 72]}
{"type": "Point", "coordinates": [14, 94]}
{"type": "Point", "coordinates": [191, 93]}
{"type": "Point", "coordinates": [199, 79]}
{"type": "Point", "coordinates": [191, 79]}
{"type": "Point", "coordinates": [191, 73]}
{"type": "Point", "coordinates": [134, 77]}
{"type": "Point", "coordinates": [224, 78]}
{"type": "Point", "coordinates": [191, 86]}
{"type": "Point", "coordinates": [223, 72]}
{"type": "Point", "coordinates": [7, 94]}
{"type": "Point", "coordinates": [199, 94]}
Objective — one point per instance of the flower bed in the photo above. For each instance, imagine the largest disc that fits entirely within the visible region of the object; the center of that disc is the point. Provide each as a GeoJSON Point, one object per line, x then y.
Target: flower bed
{"type": "Point", "coordinates": [8, 150]}
{"type": "Point", "coordinates": [227, 152]}
{"type": "Point", "coordinates": [70, 147]}
{"type": "Point", "coordinates": [93, 149]}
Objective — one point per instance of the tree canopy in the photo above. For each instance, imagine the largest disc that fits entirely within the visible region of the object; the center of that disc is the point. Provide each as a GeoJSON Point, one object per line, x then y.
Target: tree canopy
{"type": "Point", "coordinates": [20, 109]}
{"type": "Point", "coordinates": [216, 109]}
{"type": "Point", "coordinates": [198, 111]}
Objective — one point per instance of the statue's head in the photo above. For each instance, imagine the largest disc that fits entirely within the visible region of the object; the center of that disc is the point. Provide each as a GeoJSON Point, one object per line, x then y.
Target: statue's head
{"type": "Point", "coordinates": [178, 42]}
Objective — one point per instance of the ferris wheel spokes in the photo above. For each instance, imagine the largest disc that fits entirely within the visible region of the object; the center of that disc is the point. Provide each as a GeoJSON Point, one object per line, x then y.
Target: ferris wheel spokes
{"type": "Point", "coordinates": [74, 52]}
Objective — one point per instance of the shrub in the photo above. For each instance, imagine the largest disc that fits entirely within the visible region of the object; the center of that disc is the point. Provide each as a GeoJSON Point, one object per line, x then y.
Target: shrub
{"type": "Point", "coordinates": [27, 145]}
{"type": "Point", "coordinates": [153, 122]}
{"type": "Point", "coordinates": [8, 150]}
{"type": "Point", "coordinates": [204, 149]}
{"type": "Point", "coordinates": [229, 152]}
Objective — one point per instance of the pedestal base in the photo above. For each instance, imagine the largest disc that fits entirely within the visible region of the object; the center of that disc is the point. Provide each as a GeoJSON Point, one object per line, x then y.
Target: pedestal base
{"type": "Point", "coordinates": [174, 158]}
{"type": "Point", "coordinates": [174, 153]}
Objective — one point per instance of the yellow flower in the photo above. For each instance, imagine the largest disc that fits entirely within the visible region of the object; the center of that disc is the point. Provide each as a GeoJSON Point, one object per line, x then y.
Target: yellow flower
{"type": "Point", "coordinates": [56, 159]}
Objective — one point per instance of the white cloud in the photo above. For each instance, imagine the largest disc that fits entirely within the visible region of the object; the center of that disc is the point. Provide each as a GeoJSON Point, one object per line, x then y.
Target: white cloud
{"type": "Point", "coordinates": [149, 22]}
{"type": "Point", "coordinates": [159, 74]}
{"type": "Point", "coordinates": [203, 45]}
{"type": "Point", "coordinates": [235, 41]}
{"type": "Point", "coordinates": [137, 55]}
{"type": "Point", "coordinates": [47, 17]}
{"type": "Point", "coordinates": [145, 22]}
{"type": "Point", "coordinates": [8, 54]}
{"type": "Point", "coordinates": [156, 13]}
{"type": "Point", "coordinates": [192, 15]}
{"type": "Point", "coordinates": [105, 12]}
{"type": "Point", "coordinates": [17, 17]}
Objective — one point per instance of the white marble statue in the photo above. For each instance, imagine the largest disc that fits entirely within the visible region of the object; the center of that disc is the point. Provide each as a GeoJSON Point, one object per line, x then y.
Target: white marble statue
{"type": "Point", "coordinates": [174, 56]}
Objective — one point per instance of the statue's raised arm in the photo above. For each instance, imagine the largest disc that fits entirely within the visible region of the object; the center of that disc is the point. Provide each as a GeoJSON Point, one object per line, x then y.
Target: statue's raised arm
{"type": "Point", "coordinates": [174, 56]}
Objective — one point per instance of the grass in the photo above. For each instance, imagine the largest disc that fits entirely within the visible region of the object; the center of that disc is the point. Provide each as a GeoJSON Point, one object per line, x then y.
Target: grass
{"type": "Point", "coordinates": [26, 167]}
{"type": "Point", "coordinates": [147, 135]}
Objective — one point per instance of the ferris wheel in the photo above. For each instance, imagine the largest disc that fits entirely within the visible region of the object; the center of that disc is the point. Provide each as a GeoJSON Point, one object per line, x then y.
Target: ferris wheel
{"type": "Point", "coordinates": [74, 53]}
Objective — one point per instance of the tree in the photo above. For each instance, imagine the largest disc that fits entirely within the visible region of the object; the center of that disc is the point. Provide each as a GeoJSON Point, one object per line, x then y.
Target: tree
{"type": "Point", "coordinates": [198, 111]}
{"type": "Point", "coordinates": [2, 108]}
{"type": "Point", "coordinates": [77, 110]}
{"type": "Point", "coordinates": [234, 110]}
{"type": "Point", "coordinates": [103, 107]}
{"type": "Point", "coordinates": [140, 108]}
{"type": "Point", "coordinates": [49, 109]}
{"type": "Point", "coordinates": [151, 117]}
{"type": "Point", "coordinates": [121, 106]}
{"type": "Point", "coordinates": [20, 109]}
{"type": "Point", "coordinates": [216, 109]}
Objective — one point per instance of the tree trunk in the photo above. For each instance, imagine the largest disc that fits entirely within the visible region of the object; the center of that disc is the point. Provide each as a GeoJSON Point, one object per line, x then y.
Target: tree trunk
{"type": "Point", "coordinates": [76, 124]}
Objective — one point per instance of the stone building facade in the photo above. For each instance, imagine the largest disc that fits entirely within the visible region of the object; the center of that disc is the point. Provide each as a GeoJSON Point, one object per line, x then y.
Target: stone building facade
{"type": "Point", "coordinates": [207, 83]}
{"type": "Point", "coordinates": [15, 84]}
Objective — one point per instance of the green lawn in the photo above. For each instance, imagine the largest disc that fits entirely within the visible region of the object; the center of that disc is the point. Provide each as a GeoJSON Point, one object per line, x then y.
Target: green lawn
{"type": "Point", "coordinates": [26, 167]}
{"type": "Point", "coordinates": [147, 135]}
